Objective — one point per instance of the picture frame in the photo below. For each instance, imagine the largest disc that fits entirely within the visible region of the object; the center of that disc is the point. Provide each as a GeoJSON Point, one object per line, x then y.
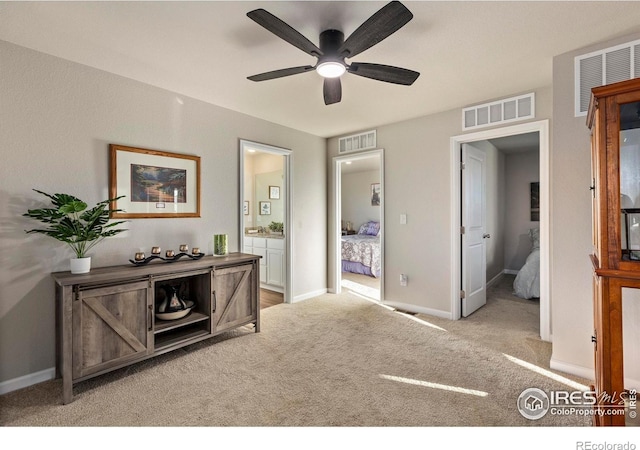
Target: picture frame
{"type": "Point", "coordinates": [274, 192]}
{"type": "Point", "coordinates": [265, 208]}
{"type": "Point", "coordinates": [245, 208]}
{"type": "Point", "coordinates": [535, 202]}
{"type": "Point", "coordinates": [375, 194]}
{"type": "Point", "coordinates": [153, 183]}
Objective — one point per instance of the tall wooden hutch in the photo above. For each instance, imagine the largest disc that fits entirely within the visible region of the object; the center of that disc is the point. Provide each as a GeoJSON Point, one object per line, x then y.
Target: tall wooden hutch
{"type": "Point", "coordinates": [614, 120]}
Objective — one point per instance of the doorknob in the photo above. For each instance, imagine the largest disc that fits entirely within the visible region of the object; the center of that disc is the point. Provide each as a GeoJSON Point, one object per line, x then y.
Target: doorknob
{"type": "Point", "coordinates": [486, 236]}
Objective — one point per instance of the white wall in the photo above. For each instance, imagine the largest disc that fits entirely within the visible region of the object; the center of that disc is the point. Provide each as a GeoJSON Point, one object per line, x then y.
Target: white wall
{"type": "Point", "coordinates": [521, 169]}
{"type": "Point", "coordinates": [356, 197]}
{"type": "Point", "coordinates": [56, 121]}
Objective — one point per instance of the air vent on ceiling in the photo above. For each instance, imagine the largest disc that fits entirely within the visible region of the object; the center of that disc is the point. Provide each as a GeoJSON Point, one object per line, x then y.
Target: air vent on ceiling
{"type": "Point", "coordinates": [502, 111]}
{"type": "Point", "coordinates": [606, 66]}
{"type": "Point", "coordinates": [362, 141]}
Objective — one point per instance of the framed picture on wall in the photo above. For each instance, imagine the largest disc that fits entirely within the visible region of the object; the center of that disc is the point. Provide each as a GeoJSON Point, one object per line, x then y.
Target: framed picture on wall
{"type": "Point", "coordinates": [274, 192]}
{"type": "Point", "coordinates": [245, 207]}
{"type": "Point", "coordinates": [375, 194]}
{"type": "Point", "coordinates": [535, 202]}
{"type": "Point", "coordinates": [265, 208]}
{"type": "Point", "coordinates": [153, 183]}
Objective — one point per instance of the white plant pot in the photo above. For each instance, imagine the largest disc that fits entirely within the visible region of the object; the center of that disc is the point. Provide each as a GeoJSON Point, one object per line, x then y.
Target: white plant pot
{"type": "Point", "coordinates": [81, 265]}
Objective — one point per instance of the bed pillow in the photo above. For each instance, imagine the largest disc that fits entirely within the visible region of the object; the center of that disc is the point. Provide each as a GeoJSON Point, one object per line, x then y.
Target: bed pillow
{"type": "Point", "coordinates": [534, 234]}
{"type": "Point", "coordinates": [370, 228]}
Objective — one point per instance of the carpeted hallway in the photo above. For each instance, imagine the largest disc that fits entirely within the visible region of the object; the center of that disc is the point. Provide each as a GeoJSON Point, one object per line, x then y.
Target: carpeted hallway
{"type": "Point", "coordinates": [507, 324]}
{"type": "Point", "coordinates": [335, 360]}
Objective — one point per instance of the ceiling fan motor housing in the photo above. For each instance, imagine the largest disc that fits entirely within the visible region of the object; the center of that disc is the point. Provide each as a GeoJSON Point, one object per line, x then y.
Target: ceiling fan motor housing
{"type": "Point", "coordinates": [331, 41]}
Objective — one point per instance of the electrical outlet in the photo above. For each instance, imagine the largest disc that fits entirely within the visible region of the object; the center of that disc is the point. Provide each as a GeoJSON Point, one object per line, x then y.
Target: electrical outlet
{"type": "Point", "coordinates": [403, 279]}
{"type": "Point", "coordinates": [403, 219]}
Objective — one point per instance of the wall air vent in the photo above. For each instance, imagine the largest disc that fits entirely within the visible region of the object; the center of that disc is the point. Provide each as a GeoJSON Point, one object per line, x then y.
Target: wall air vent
{"type": "Point", "coordinates": [356, 142]}
{"type": "Point", "coordinates": [507, 110]}
{"type": "Point", "coordinates": [610, 65]}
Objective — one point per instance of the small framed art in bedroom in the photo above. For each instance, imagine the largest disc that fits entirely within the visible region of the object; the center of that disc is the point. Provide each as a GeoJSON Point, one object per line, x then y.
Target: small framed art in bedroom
{"type": "Point", "coordinates": [375, 194]}
{"type": "Point", "coordinates": [535, 202]}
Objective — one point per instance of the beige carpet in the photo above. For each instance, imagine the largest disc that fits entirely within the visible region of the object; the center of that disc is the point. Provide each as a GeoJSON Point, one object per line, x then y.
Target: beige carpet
{"type": "Point", "coordinates": [361, 284]}
{"type": "Point", "coordinates": [329, 361]}
{"type": "Point", "coordinates": [507, 324]}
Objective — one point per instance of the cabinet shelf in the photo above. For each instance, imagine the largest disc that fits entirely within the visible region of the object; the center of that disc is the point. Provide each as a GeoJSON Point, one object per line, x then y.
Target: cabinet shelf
{"type": "Point", "coordinates": [162, 326]}
{"type": "Point", "coordinates": [179, 336]}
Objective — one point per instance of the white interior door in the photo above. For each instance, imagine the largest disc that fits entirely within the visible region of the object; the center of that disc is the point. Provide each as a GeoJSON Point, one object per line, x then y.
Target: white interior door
{"type": "Point", "coordinates": [474, 249]}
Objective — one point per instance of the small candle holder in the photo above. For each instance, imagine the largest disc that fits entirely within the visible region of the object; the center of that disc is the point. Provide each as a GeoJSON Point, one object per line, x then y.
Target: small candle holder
{"type": "Point", "coordinates": [139, 256]}
{"type": "Point", "coordinates": [184, 248]}
{"type": "Point", "coordinates": [195, 250]}
{"type": "Point", "coordinates": [170, 254]}
{"type": "Point", "coordinates": [155, 250]}
{"type": "Point", "coordinates": [220, 245]}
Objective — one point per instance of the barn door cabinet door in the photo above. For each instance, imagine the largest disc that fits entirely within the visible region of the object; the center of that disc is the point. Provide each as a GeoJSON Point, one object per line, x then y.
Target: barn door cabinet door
{"type": "Point", "coordinates": [112, 325]}
{"type": "Point", "coordinates": [235, 297]}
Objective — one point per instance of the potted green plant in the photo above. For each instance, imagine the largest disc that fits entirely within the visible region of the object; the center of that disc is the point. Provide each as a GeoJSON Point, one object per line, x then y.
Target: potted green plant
{"type": "Point", "coordinates": [70, 221]}
{"type": "Point", "coordinates": [276, 227]}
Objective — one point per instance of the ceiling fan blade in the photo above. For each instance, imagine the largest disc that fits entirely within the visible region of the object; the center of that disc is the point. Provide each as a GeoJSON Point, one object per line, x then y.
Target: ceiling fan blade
{"type": "Point", "coordinates": [280, 73]}
{"type": "Point", "coordinates": [380, 72]}
{"type": "Point", "coordinates": [284, 31]}
{"type": "Point", "coordinates": [381, 25]}
{"type": "Point", "coordinates": [332, 90]}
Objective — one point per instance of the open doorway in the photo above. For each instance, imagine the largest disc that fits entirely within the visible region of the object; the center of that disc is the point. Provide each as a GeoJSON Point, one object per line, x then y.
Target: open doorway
{"type": "Point", "coordinates": [265, 217]}
{"type": "Point", "coordinates": [511, 239]}
{"type": "Point", "coordinates": [359, 223]}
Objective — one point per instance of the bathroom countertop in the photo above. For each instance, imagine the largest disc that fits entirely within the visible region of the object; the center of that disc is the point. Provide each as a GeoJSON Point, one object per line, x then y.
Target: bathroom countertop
{"type": "Point", "coordinates": [265, 235]}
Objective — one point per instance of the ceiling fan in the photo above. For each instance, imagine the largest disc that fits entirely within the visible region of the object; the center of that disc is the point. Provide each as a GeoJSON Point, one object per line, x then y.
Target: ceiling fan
{"type": "Point", "coordinates": [334, 49]}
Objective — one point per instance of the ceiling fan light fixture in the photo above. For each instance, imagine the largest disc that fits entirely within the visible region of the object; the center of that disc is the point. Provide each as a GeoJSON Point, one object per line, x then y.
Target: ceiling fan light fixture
{"type": "Point", "coordinates": [331, 69]}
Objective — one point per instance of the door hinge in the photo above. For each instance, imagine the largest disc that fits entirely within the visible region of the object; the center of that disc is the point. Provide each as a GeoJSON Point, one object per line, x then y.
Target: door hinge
{"type": "Point", "coordinates": [463, 294]}
{"type": "Point", "coordinates": [462, 165]}
{"type": "Point", "coordinates": [462, 230]}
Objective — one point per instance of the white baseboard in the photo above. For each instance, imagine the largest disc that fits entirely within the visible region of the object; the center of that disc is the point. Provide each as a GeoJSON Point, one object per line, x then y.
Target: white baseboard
{"type": "Point", "coordinates": [27, 380]}
{"type": "Point", "coordinates": [308, 295]}
{"type": "Point", "coordinates": [588, 373]}
{"type": "Point", "coordinates": [573, 369]}
{"type": "Point", "coordinates": [504, 272]}
{"type": "Point", "coordinates": [630, 383]}
{"type": "Point", "coordinates": [270, 287]}
{"type": "Point", "coordinates": [494, 279]}
{"type": "Point", "coordinates": [418, 309]}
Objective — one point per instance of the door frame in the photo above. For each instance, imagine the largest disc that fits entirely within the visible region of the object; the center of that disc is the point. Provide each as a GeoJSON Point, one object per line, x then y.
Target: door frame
{"type": "Point", "coordinates": [337, 225]}
{"type": "Point", "coordinates": [542, 127]}
{"type": "Point", "coordinates": [245, 145]}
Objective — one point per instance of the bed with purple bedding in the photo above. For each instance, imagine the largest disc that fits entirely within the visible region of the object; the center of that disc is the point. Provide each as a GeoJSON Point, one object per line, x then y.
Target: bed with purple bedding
{"type": "Point", "coordinates": [361, 254]}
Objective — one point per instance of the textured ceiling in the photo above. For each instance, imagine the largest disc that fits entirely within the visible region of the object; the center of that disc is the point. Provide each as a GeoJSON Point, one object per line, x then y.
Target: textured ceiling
{"type": "Point", "coordinates": [466, 52]}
